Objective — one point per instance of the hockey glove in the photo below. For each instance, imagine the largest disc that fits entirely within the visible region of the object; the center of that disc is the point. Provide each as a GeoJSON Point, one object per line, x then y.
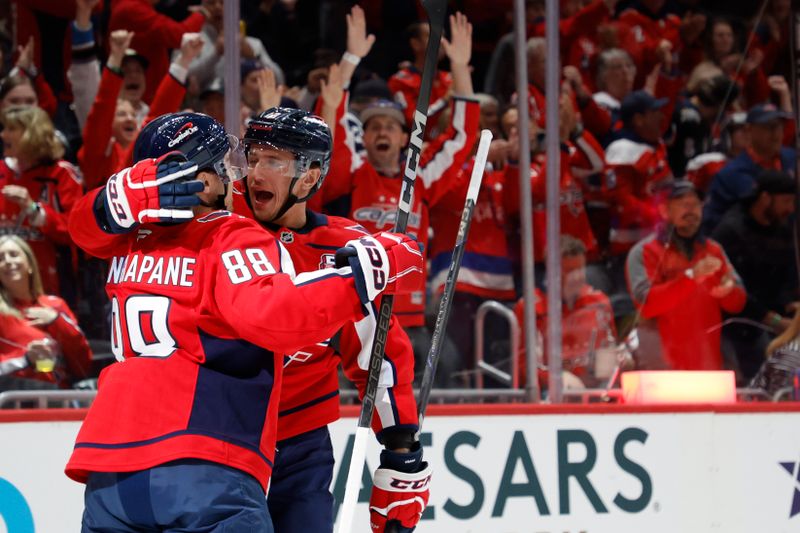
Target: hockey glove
{"type": "Point", "coordinates": [400, 491]}
{"type": "Point", "coordinates": [384, 262]}
{"type": "Point", "coordinates": [152, 190]}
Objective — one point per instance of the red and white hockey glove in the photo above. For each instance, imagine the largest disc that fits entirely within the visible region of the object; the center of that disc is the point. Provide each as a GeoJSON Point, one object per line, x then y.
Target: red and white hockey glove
{"type": "Point", "coordinates": [152, 190]}
{"type": "Point", "coordinates": [384, 262]}
{"type": "Point", "coordinates": [400, 491]}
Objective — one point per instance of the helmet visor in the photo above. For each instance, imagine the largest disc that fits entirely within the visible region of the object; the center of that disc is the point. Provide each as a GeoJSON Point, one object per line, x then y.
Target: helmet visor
{"type": "Point", "coordinates": [233, 166]}
{"type": "Point", "coordinates": [266, 158]}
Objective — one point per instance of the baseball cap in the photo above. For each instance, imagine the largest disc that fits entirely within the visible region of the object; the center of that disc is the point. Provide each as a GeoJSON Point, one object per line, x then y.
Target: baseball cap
{"type": "Point", "coordinates": [248, 66]}
{"type": "Point", "coordinates": [372, 88]}
{"type": "Point", "coordinates": [639, 102]}
{"type": "Point", "coordinates": [775, 182]}
{"type": "Point", "coordinates": [385, 108]}
{"type": "Point", "coordinates": [677, 188]}
{"type": "Point", "coordinates": [764, 113]}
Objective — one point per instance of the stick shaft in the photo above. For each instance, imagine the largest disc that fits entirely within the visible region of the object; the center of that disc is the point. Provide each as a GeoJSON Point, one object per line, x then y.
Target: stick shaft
{"type": "Point", "coordinates": [446, 302]}
{"type": "Point", "coordinates": [353, 485]}
{"type": "Point", "coordinates": [436, 13]}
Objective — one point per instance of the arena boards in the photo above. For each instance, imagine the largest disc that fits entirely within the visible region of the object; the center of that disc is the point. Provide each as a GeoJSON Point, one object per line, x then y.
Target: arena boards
{"type": "Point", "coordinates": [514, 469]}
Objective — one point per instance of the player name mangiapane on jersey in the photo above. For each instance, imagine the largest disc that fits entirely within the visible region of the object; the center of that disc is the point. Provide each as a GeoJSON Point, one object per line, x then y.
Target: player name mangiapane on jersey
{"type": "Point", "coordinates": [138, 268]}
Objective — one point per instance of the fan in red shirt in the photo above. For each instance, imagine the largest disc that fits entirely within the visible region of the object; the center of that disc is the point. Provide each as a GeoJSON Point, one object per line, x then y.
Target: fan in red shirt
{"type": "Point", "coordinates": [155, 35]}
{"type": "Point", "coordinates": [36, 329]}
{"type": "Point", "coordinates": [652, 36]}
{"type": "Point", "coordinates": [587, 317]}
{"type": "Point", "coordinates": [581, 156]}
{"type": "Point", "coordinates": [112, 124]}
{"type": "Point", "coordinates": [578, 31]}
{"type": "Point", "coordinates": [681, 283]}
{"type": "Point", "coordinates": [38, 188]}
{"type": "Point", "coordinates": [486, 270]}
{"type": "Point", "coordinates": [369, 188]}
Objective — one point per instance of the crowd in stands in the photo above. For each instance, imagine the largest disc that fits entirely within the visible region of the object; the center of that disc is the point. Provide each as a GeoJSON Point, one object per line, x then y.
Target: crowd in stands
{"type": "Point", "coordinates": [677, 165]}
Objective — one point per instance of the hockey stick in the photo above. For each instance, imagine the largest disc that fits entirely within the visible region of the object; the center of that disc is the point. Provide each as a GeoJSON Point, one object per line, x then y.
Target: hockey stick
{"type": "Point", "coordinates": [452, 275]}
{"type": "Point", "coordinates": [436, 13]}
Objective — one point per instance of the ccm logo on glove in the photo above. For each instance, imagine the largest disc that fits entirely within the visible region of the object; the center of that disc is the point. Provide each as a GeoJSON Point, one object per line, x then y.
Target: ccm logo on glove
{"type": "Point", "coordinates": [410, 484]}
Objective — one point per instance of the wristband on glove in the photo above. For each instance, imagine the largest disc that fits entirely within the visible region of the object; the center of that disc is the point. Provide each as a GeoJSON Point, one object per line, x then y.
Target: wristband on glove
{"type": "Point", "coordinates": [403, 461]}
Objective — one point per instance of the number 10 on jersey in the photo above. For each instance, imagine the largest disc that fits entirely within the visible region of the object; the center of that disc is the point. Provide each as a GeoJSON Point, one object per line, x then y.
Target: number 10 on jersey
{"type": "Point", "coordinates": [146, 326]}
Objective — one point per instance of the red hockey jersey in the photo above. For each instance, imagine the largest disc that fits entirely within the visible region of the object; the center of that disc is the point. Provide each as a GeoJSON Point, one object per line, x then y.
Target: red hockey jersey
{"type": "Point", "coordinates": [641, 34]}
{"type": "Point", "coordinates": [583, 157]}
{"type": "Point", "coordinates": [373, 198]}
{"type": "Point", "coordinates": [486, 269]}
{"type": "Point", "coordinates": [310, 394]}
{"type": "Point", "coordinates": [56, 186]}
{"type": "Point", "coordinates": [202, 315]}
{"type": "Point", "coordinates": [701, 169]}
{"type": "Point", "coordinates": [634, 172]}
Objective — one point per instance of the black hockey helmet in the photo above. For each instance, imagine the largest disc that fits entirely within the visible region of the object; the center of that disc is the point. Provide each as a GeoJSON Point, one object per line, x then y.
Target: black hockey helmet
{"type": "Point", "coordinates": [199, 137]}
{"type": "Point", "coordinates": [299, 132]}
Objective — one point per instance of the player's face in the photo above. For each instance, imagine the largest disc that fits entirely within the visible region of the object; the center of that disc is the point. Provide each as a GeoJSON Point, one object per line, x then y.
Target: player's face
{"type": "Point", "coordinates": [19, 95]}
{"type": "Point", "coordinates": [11, 135]}
{"type": "Point", "coordinates": [270, 171]}
{"type": "Point", "coordinates": [124, 125]}
{"type": "Point", "coordinates": [132, 80]}
{"type": "Point", "coordinates": [14, 267]}
{"type": "Point", "coordinates": [384, 137]}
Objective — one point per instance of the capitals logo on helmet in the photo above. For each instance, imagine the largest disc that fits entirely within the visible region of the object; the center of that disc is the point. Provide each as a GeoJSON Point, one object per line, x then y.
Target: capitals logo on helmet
{"type": "Point", "coordinates": [199, 137]}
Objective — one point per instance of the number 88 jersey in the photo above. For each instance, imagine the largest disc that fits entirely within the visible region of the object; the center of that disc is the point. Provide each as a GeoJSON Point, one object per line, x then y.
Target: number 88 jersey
{"type": "Point", "coordinates": [202, 314]}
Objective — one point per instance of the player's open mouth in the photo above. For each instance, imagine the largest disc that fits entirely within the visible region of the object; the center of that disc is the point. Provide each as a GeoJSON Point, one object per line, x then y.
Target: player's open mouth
{"type": "Point", "coordinates": [132, 87]}
{"type": "Point", "coordinates": [262, 197]}
{"type": "Point", "coordinates": [130, 128]}
{"type": "Point", "coordinates": [382, 145]}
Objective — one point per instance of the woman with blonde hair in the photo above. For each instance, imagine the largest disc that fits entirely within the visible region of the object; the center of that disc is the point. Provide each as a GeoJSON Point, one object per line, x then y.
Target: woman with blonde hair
{"type": "Point", "coordinates": [37, 188]}
{"type": "Point", "coordinates": [39, 337]}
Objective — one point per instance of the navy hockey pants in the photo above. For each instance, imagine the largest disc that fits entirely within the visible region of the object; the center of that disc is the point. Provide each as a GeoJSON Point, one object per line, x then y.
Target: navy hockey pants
{"type": "Point", "coordinates": [183, 496]}
{"type": "Point", "coordinates": [299, 494]}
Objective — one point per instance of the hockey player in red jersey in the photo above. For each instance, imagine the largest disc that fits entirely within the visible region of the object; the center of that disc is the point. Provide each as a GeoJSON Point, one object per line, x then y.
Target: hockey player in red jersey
{"type": "Point", "coordinates": [299, 496]}
{"type": "Point", "coordinates": [202, 313]}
